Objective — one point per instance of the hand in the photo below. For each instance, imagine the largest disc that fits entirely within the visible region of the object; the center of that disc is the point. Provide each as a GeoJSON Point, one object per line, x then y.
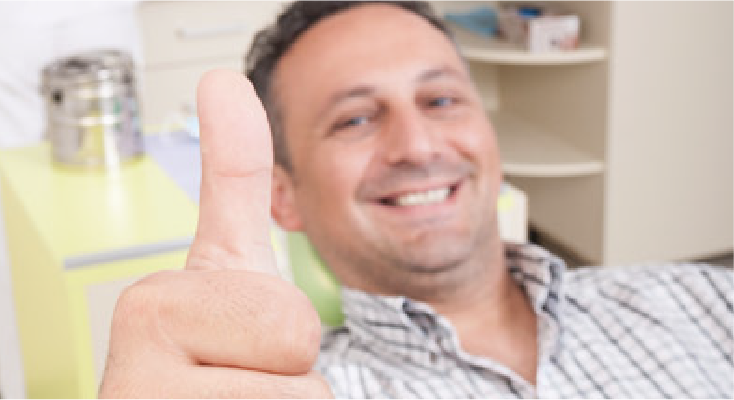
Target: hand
{"type": "Point", "coordinates": [225, 326]}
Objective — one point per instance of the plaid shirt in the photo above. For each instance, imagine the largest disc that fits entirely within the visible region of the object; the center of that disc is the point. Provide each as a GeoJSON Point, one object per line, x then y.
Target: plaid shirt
{"type": "Point", "coordinates": [647, 331]}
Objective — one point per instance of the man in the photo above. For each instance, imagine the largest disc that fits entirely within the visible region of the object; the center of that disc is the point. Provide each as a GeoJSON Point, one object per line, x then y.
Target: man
{"type": "Point", "coordinates": [385, 158]}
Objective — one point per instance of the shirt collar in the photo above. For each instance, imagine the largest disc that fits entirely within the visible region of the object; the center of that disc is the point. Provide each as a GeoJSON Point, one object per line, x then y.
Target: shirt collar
{"type": "Point", "coordinates": [539, 273]}
{"type": "Point", "coordinates": [378, 319]}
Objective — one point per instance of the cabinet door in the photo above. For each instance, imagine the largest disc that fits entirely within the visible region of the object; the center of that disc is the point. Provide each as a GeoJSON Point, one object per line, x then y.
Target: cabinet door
{"type": "Point", "coordinates": [183, 31]}
{"type": "Point", "coordinates": [184, 39]}
{"type": "Point", "coordinates": [168, 94]}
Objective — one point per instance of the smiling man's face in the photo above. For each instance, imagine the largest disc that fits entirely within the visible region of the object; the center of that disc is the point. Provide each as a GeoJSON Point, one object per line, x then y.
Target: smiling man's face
{"type": "Point", "coordinates": [395, 165]}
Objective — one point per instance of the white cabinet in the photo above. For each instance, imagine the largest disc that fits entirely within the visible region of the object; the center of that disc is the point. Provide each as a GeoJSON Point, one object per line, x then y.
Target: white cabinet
{"type": "Point", "coordinates": [624, 146]}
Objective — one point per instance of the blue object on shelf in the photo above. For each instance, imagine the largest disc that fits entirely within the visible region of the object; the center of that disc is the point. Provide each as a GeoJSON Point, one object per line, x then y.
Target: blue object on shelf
{"type": "Point", "coordinates": [481, 20]}
{"type": "Point", "coordinates": [529, 12]}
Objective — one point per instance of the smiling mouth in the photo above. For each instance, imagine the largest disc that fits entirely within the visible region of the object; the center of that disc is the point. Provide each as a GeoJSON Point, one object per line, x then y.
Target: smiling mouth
{"type": "Point", "coordinates": [421, 198]}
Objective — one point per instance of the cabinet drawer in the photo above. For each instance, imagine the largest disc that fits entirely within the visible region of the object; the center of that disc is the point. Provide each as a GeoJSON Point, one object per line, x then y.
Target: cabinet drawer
{"type": "Point", "coordinates": [182, 31]}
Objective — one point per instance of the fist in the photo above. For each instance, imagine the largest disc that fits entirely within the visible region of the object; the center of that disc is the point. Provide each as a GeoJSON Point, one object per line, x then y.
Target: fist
{"type": "Point", "coordinates": [226, 326]}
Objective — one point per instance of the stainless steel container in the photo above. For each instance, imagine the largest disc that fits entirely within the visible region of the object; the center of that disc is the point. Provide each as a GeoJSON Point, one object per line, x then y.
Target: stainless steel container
{"type": "Point", "coordinates": [92, 109]}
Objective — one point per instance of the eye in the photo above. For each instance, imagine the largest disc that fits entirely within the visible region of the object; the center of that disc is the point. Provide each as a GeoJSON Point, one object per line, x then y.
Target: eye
{"type": "Point", "coordinates": [443, 101]}
{"type": "Point", "coordinates": [355, 121]}
{"type": "Point", "coordinates": [351, 122]}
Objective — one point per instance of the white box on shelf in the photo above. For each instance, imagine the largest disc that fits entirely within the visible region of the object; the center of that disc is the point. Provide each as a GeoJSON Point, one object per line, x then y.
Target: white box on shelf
{"type": "Point", "coordinates": [553, 33]}
{"type": "Point", "coordinates": [539, 29]}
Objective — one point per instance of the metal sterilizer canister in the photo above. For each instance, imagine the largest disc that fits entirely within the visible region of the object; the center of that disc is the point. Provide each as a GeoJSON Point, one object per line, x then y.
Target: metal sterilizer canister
{"type": "Point", "coordinates": [92, 109]}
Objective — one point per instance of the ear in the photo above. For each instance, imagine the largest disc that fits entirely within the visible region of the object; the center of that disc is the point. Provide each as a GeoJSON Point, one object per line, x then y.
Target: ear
{"type": "Point", "coordinates": [283, 201]}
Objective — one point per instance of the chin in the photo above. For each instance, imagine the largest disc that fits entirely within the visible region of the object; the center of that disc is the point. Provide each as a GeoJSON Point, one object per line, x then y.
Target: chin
{"type": "Point", "coordinates": [432, 274]}
{"type": "Point", "coordinates": [441, 252]}
{"type": "Point", "coordinates": [435, 258]}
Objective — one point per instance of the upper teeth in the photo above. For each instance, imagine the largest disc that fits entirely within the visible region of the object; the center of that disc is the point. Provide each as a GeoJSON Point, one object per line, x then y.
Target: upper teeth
{"type": "Point", "coordinates": [421, 198]}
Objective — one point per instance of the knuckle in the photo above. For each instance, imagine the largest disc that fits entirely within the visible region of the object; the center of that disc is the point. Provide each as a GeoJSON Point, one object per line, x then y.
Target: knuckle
{"type": "Point", "coordinates": [138, 306]}
{"type": "Point", "coordinates": [133, 303]}
{"type": "Point", "coordinates": [285, 320]}
{"type": "Point", "coordinates": [133, 321]}
{"type": "Point", "coordinates": [296, 318]}
{"type": "Point", "coordinates": [307, 340]}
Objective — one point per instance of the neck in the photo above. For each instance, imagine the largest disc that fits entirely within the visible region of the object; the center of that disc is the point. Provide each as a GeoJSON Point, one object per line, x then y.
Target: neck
{"type": "Point", "coordinates": [495, 319]}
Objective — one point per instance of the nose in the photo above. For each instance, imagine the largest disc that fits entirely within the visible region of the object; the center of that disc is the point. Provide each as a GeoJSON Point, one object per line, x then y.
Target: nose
{"type": "Point", "coordinates": [409, 137]}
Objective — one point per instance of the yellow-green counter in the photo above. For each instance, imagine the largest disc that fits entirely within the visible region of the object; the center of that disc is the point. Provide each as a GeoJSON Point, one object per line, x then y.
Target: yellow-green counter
{"type": "Point", "coordinates": [75, 238]}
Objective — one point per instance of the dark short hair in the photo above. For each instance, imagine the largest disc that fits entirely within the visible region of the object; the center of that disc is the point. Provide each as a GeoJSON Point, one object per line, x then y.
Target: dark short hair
{"type": "Point", "coordinates": [271, 43]}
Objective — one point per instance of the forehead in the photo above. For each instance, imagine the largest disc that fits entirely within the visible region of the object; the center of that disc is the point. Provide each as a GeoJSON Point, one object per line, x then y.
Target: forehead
{"type": "Point", "coordinates": [364, 45]}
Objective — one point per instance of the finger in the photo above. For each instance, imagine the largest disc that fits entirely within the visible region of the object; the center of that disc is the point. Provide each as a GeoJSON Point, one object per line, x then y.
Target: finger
{"type": "Point", "coordinates": [187, 382]}
{"type": "Point", "coordinates": [235, 384]}
{"type": "Point", "coordinates": [217, 317]}
{"type": "Point", "coordinates": [236, 158]}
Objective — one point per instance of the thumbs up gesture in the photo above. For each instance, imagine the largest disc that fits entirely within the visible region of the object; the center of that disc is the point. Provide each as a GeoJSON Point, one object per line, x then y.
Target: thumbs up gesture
{"type": "Point", "coordinates": [226, 326]}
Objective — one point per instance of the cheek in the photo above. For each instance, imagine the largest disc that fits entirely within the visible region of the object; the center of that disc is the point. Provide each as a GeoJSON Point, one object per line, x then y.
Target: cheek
{"type": "Point", "coordinates": [479, 144]}
{"type": "Point", "coordinates": [489, 141]}
{"type": "Point", "coordinates": [330, 178]}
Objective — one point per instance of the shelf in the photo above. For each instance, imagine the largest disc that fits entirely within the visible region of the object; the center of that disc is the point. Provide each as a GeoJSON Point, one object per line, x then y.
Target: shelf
{"type": "Point", "coordinates": [478, 48]}
{"type": "Point", "coordinates": [528, 151]}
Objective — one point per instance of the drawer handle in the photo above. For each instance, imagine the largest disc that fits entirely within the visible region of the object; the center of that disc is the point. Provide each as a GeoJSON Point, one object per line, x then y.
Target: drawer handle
{"type": "Point", "coordinates": [205, 33]}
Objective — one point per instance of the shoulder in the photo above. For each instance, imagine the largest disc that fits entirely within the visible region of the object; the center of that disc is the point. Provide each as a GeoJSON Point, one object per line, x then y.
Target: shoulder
{"type": "Point", "coordinates": [662, 291]}
{"type": "Point", "coordinates": [652, 279]}
{"type": "Point", "coordinates": [668, 324]}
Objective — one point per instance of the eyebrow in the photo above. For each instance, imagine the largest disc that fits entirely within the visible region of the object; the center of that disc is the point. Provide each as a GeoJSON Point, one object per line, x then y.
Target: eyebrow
{"type": "Point", "coordinates": [364, 90]}
{"type": "Point", "coordinates": [358, 91]}
{"type": "Point", "coordinates": [440, 72]}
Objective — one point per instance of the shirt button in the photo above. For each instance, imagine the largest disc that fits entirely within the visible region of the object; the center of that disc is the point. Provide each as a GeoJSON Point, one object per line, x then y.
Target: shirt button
{"type": "Point", "coordinates": [433, 357]}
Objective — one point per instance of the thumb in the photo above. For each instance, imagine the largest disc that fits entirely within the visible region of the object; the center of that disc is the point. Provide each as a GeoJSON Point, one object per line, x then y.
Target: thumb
{"type": "Point", "coordinates": [236, 157]}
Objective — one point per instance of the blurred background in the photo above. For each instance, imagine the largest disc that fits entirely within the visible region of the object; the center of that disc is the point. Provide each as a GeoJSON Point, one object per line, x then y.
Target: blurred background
{"type": "Point", "coordinates": [615, 123]}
